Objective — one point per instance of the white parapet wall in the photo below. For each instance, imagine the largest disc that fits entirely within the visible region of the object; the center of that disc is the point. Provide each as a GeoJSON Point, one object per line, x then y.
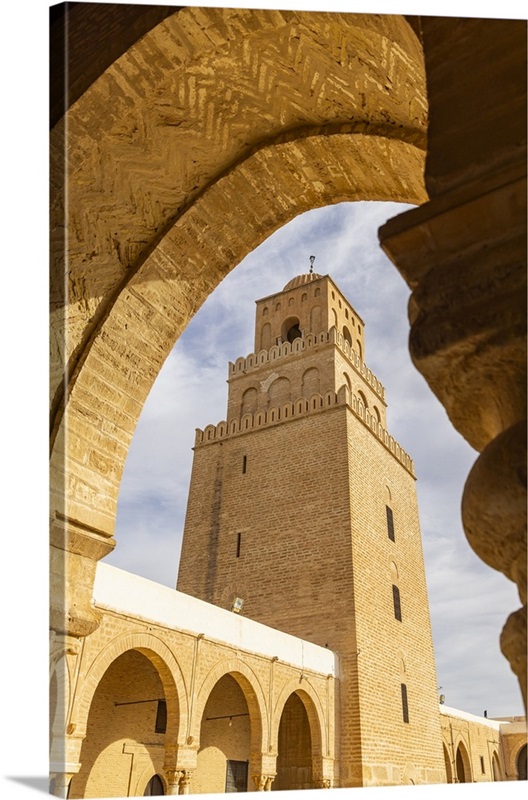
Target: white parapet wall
{"type": "Point", "coordinates": [455, 712]}
{"type": "Point", "coordinates": [122, 592]}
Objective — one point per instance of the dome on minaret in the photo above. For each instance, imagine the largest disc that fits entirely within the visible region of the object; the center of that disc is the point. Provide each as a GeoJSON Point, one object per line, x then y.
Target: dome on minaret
{"type": "Point", "coordinates": [300, 280]}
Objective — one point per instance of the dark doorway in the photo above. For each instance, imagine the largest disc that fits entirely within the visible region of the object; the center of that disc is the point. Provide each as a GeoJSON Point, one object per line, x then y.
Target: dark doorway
{"type": "Point", "coordinates": [154, 787]}
{"type": "Point", "coordinates": [460, 767]}
{"type": "Point", "coordinates": [236, 776]}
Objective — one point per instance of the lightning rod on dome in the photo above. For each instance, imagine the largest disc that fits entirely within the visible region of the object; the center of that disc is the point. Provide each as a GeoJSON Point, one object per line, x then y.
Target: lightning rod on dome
{"type": "Point", "coordinates": [312, 259]}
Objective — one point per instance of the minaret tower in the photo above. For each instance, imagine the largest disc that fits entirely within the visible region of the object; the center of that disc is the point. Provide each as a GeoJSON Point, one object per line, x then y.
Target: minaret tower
{"type": "Point", "coordinates": [304, 506]}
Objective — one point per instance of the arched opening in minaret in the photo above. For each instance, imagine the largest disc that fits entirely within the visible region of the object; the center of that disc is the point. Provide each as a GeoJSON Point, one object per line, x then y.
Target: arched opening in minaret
{"type": "Point", "coordinates": [294, 758]}
{"type": "Point", "coordinates": [362, 397]}
{"type": "Point", "coordinates": [290, 330]}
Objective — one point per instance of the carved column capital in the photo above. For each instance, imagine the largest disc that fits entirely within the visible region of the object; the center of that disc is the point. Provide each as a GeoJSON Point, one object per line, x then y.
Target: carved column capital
{"type": "Point", "coordinates": [186, 777]}
{"type": "Point", "coordinates": [173, 777]}
{"type": "Point", "coordinates": [263, 782]}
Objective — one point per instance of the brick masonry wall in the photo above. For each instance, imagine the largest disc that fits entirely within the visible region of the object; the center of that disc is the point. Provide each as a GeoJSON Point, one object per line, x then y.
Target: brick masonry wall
{"type": "Point", "coordinates": [308, 522]}
{"type": "Point", "coordinates": [392, 652]}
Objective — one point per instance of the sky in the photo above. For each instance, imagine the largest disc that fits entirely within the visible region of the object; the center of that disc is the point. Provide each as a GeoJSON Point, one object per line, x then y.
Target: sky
{"type": "Point", "coordinates": [469, 602]}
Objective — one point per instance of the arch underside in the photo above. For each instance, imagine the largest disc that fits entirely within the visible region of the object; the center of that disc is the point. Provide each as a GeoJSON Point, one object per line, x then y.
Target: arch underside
{"type": "Point", "coordinates": [210, 144]}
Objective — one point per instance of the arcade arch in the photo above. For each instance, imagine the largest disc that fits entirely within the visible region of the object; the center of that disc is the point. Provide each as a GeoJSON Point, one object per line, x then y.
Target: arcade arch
{"type": "Point", "coordinates": [225, 740]}
{"type": "Point", "coordinates": [496, 767]}
{"type": "Point", "coordinates": [155, 787]}
{"type": "Point", "coordinates": [300, 761]}
{"type": "Point", "coordinates": [165, 665]}
{"type": "Point", "coordinates": [294, 751]}
{"type": "Point", "coordinates": [462, 765]}
{"type": "Point", "coordinates": [249, 692]}
{"type": "Point", "coordinates": [124, 718]}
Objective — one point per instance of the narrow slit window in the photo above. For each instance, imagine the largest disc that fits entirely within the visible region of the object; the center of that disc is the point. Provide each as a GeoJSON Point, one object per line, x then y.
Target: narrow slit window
{"type": "Point", "coordinates": [390, 523]}
{"type": "Point", "coordinates": [482, 768]}
{"type": "Point", "coordinates": [161, 717]}
{"type": "Point", "coordinates": [244, 465]}
{"type": "Point", "coordinates": [405, 704]}
{"type": "Point", "coordinates": [239, 544]}
{"type": "Point", "coordinates": [397, 602]}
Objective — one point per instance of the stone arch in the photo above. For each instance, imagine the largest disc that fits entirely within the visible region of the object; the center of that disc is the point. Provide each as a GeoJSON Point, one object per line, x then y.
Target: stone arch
{"type": "Point", "coordinates": [163, 661]}
{"type": "Point", "coordinates": [314, 710]}
{"type": "Point", "coordinates": [290, 329]}
{"type": "Point", "coordinates": [128, 716]}
{"type": "Point", "coordinates": [129, 311]}
{"type": "Point", "coordinates": [133, 269]}
{"type": "Point", "coordinates": [447, 762]}
{"type": "Point", "coordinates": [146, 777]}
{"type": "Point", "coordinates": [346, 335]}
{"type": "Point", "coordinates": [496, 770]}
{"type": "Point", "coordinates": [253, 693]}
{"type": "Point", "coordinates": [462, 764]}
{"type": "Point", "coordinates": [363, 399]}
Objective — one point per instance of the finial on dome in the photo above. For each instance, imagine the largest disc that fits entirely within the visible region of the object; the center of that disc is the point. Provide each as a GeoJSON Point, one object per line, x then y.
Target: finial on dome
{"type": "Point", "coordinates": [312, 259]}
